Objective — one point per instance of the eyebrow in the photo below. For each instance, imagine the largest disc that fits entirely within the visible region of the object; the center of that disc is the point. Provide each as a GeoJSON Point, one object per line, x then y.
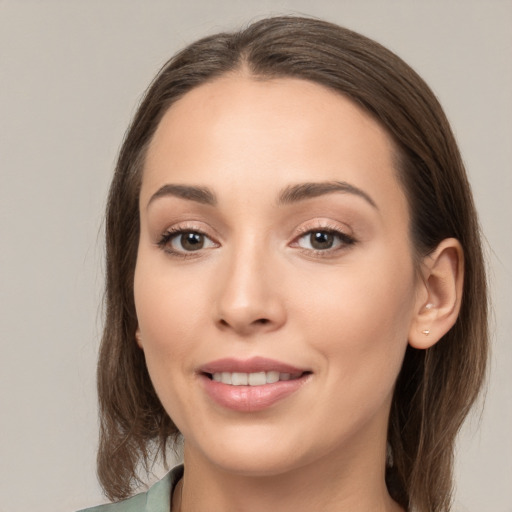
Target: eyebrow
{"type": "Point", "coordinates": [201, 195]}
{"type": "Point", "coordinates": [289, 195]}
{"type": "Point", "coordinates": [302, 191]}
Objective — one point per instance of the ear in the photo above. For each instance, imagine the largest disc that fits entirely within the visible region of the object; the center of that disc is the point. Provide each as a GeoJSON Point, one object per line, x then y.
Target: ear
{"type": "Point", "coordinates": [138, 337]}
{"type": "Point", "coordinates": [440, 294]}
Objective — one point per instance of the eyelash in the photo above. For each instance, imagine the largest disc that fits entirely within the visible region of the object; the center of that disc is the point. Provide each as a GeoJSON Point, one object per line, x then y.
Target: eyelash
{"type": "Point", "coordinates": [166, 238]}
{"type": "Point", "coordinates": [345, 241]}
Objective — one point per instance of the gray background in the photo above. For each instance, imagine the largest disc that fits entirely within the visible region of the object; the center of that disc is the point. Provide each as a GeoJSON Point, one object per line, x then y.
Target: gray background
{"type": "Point", "coordinates": [71, 74]}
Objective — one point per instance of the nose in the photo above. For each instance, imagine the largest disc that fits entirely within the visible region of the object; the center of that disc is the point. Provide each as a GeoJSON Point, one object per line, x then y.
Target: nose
{"type": "Point", "coordinates": [251, 298]}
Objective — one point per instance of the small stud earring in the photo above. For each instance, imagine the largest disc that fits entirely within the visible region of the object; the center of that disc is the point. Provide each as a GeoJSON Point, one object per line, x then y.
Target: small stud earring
{"type": "Point", "coordinates": [429, 306]}
{"type": "Point", "coordinates": [426, 332]}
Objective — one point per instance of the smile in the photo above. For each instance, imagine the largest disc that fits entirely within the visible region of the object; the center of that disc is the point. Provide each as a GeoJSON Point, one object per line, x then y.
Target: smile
{"type": "Point", "coordinates": [251, 385]}
{"type": "Point", "coordinates": [252, 379]}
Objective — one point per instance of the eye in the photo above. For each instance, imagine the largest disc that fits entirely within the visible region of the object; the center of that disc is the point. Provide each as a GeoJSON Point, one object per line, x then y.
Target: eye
{"type": "Point", "coordinates": [324, 240]}
{"type": "Point", "coordinates": [181, 241]}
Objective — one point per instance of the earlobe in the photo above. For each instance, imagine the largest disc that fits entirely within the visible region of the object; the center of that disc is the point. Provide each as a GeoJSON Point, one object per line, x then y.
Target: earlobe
{"type": "Point", "coordinates": [440, 298]}
{"type": "Point", "coordinates": [138, 337]}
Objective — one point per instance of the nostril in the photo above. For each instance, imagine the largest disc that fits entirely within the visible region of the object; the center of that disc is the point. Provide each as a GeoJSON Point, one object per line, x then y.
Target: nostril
{"type": "Point", "coordinates": [245, 323]}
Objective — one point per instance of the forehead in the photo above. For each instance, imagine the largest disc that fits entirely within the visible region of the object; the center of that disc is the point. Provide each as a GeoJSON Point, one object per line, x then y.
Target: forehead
{"type": "Point", "coordinates": [284, 130]}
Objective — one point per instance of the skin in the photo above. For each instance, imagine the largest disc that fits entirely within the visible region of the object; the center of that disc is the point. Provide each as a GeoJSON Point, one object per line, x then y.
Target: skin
{"type": "Point", "coordinates": [258, 288]}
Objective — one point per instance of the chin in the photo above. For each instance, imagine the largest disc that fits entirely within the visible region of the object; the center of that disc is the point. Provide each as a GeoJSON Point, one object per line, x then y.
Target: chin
{"type": "Point", "coordinates": [256, 452]}
{"type": "Point", "coordinates": [257, 464]}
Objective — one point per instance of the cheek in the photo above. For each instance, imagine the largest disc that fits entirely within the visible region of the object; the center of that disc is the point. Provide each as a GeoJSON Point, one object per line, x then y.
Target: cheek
{"type": "Point", "coordinates": [166, 315]}
{"type": "Point", "coordinates": [359, 321]}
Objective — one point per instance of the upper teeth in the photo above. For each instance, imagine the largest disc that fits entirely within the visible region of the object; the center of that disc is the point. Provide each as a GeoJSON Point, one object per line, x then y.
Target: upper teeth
{"type": "Point", "coordinates": [250, 379]}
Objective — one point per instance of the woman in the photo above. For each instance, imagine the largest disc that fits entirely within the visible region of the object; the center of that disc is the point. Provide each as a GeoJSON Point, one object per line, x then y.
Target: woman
{"type": "Point", "coordinates": [295, 283]}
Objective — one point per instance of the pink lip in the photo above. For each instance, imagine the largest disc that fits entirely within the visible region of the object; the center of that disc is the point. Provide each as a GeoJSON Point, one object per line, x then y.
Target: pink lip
{"type": "Point", "coordinates": [250, 398]}
{"type": "Point", "coordinates": [252, 365]}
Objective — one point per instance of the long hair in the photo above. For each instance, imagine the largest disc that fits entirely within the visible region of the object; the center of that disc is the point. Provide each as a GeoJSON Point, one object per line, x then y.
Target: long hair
{"type": "Point", "coordinates": [436, 387]}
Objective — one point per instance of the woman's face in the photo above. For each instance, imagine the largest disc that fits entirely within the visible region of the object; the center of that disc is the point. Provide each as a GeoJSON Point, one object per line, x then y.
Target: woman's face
{"type": "Point", "coordinates": [274, 245]}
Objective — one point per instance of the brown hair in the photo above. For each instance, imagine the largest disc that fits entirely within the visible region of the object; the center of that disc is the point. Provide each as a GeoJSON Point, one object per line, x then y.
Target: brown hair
{"type": "Point", "coordinates": [436, 387]}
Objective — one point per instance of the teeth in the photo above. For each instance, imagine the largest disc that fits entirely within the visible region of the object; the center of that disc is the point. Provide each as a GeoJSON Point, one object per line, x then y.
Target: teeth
{"type": "Point", "coordinates": [272, 377]}
{"type": "Point", "coordinates": [252, 379]}
{"type": "Point", "coordinates": [239, 379]}
{"type": "Point", "coordinates": [257, 379]}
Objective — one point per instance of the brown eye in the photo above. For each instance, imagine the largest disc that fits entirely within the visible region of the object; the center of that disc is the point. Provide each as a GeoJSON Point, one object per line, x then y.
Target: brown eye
{"type": "Point", "coordinates": [324, 240]}
{"type": "Point", "coordinates": [321, 240]}
{"type": "Point", "coordinates": [183, 242]}
{"type": "Point", "coordinates": [189, 241]}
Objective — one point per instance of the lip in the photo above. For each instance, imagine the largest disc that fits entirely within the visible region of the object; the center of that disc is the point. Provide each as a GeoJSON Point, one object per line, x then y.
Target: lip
{"type": "Point", "coordinates": [250, 398]}
{"type": "Point", "coordinates": [252, 365]}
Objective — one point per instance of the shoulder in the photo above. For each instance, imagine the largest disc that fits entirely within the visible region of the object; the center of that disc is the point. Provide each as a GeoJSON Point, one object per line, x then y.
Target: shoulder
{"type": "Point", "coordinates": [136, 503]}
{"type": "Point", "coordinates": [156, 499]}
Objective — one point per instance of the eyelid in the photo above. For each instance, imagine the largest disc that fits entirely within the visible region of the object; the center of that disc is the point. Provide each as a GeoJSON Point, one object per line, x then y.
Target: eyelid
{"type": "Point", "coordinates": [324, 225]}
{"type": "Point", "coordinates": [189, 225]}
{"type": "Point", "coordinates": [344, 235]}
{"type": "Point", "coordinates": [166, 237]}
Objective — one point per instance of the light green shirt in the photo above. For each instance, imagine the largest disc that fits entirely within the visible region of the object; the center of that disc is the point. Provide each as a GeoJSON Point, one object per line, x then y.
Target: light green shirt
{"type": "Point", "coordinates": [156, 499]}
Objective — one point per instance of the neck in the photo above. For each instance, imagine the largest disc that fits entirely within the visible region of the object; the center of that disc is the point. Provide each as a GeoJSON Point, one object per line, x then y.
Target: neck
{"type": "Point", "coordinates": [334, 484]}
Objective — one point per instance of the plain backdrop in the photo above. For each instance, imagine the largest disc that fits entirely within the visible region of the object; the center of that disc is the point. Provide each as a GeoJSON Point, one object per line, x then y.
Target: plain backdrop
{"type": "Point", "coordinates": [71, 75]}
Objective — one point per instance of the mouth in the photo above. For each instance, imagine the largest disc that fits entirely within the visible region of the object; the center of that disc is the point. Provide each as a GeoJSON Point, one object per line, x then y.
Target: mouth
{"type": "Point", "coordinates": [253, 379]}
{"type": "Point", "coordinates": [256, 371]}
{"type": "Point", "coordinates": [251, 385]}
